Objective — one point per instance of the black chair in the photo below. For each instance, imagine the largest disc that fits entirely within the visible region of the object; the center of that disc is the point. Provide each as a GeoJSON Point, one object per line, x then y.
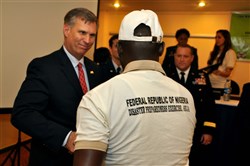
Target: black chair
{"type": "Point", "coordinates": [235, 88]}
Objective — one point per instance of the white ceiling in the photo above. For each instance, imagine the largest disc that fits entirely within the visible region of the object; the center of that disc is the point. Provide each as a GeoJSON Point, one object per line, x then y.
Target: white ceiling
{"type": "Point", "coordinates": [177, 5]}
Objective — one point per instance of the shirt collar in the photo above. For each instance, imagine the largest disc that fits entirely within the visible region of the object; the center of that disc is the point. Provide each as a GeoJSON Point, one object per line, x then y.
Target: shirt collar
{"type": "Point", "coordinates": [186, 71]}
{"type": "Point", "coordinates": [116, 66]}
{"type": "Point", "coordinates": [144, 65]}
{"type": "Point", "coordinates": [72, 59]}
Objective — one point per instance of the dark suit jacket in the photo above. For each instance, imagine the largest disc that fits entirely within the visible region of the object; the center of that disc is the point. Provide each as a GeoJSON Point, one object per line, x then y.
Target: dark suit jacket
{"type": "Point", "coordinates": [242, 131]}
{"type": "Point", "coordinates": [46, 104]}
{"type": "Point", "coordinates": [168, 61]}
{"type": "Point", "coordinates": [199, 86]}
{"type": "Point", "coordinates": [108, 70]}
{"type": "Point", "coordinates": [243, 109]}
{"type": "Point", "coordinates": [203, 99]}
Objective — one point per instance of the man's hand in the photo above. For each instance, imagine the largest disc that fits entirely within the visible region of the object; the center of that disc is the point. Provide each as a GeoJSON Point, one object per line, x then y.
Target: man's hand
{"type": "Point", "coordinates": [206, 139]}
{"type": "Point", "coordinates": [70, 145]}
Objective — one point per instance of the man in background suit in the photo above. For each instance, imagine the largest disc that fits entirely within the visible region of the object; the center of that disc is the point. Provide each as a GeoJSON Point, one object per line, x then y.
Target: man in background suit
{"type": "Point", "coordinates": [242, 130]}
{"type": "Point", "coordinates": [46, 104]}
{"type": "Point", "coordinates": [197, 82]}
{"type": "Point", "coordinates": [181, 36]}
{"type": "Point", "coordinates": [112, 66]}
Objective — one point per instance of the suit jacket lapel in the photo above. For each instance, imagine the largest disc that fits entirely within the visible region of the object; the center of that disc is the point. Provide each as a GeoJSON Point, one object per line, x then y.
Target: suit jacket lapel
{"type": "Point", "coordinates": [69, 71]}
{"type": "Point", "coordinates": [92, 73]}
{"type": "Point", "coordinates": [191, 76]}
{"type": "Point", "coordinates": [175, 75]}
{"type": "Point", "coordinates": [111, 69]}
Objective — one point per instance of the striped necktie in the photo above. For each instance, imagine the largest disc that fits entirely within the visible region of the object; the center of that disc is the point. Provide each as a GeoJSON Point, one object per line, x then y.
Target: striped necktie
{"type": "Point", "coordinates": [82, 79]}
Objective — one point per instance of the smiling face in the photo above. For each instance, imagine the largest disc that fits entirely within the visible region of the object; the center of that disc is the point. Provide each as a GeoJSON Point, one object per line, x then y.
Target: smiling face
{"type": "Point", "coordinates": [183, 58]}
{"type": "Point", "coordinates": [79, 38]}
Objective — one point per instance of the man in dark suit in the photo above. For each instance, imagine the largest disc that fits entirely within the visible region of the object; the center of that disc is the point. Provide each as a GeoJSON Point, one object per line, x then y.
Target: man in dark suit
{"type": "Point", "coordinates": [112, 66]}
{"type": "Point", "coordinates": [46, 104]}
{"type": "Point", "coordinates": [197, 82]}
{"type": "Point", "coordinates": [181, 36]}
{"type": "Point", "coordinates": [242, 130]}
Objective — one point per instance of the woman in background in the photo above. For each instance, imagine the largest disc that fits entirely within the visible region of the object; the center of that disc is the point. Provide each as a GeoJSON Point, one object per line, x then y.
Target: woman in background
{"type": "Point", "coordinates": [223, 54]}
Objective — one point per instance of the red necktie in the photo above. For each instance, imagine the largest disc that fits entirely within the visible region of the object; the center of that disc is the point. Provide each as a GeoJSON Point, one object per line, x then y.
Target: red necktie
{"type": "Point", "coordinates": [82, 79]}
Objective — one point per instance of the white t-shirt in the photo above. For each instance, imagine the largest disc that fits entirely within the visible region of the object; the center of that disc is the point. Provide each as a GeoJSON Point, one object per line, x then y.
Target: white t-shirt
{"type": "Point", "coordinates": [228, 62]}
{"type": "Point", "coordinates": [140, 117]}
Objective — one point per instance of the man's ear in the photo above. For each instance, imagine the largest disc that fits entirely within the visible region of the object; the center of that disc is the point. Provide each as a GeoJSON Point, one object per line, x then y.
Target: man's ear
{"type": "Point", "coordinates": [192, 56]}
{"type": "Point", "coordinates": [161, 48]}
{"type": "Point", "coordinates": [66, 30]}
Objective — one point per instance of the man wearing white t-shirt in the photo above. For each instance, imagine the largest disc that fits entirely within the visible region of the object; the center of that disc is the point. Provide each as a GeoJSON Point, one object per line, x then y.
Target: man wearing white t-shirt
{"type": "Point", "coordinates": [140, 117]}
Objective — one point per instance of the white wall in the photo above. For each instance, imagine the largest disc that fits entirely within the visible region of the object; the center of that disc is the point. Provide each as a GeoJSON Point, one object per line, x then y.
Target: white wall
{"type": "Point", "coordinates": [30, 29]}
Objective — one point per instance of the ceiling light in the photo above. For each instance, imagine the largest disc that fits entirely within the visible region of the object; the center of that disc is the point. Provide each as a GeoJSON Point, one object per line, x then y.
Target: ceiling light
{"type": "Point", "coordinates": [116, 5]}
{"type": "Point", "coordinates": [202, 4]}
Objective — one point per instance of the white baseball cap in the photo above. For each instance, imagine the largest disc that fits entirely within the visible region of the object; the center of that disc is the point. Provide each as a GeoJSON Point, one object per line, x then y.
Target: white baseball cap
{"type": "Point", "coordinates": [135, 18]}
